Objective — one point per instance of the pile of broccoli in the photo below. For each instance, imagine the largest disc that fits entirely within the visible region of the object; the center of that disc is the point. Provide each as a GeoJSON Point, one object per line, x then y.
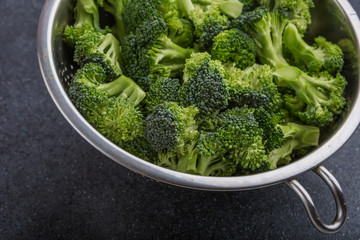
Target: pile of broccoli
{"type": "Point", "coordinates": [206, 87]}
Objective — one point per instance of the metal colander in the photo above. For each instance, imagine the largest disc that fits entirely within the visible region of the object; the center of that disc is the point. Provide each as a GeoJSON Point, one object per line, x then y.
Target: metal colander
{"type": "Point", "coordinates": [334, 19]}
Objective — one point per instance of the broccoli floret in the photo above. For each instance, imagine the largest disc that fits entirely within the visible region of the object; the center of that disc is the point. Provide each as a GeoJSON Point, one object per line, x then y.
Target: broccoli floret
{"type": "Point", "coordinates": [266, 28]}
{"type": "Point", "coordinates": [151, 51]}
{"type": "Point", "coordinates": [204, 85]}
{"type": "Point", "coordinates": [117, 9]}
{"type": "Point", "coordinates": [322, 95]}
{"type": "Point", "coordinates": [162, 90]}
{"type": "Point", "coordinates": [99, 48]}
{"type": "Point", "coordinates": [240, 138]}
{"type": "Point", "coordinates": [123, 87]}
{"type": "Point", "coordinates": [234, 46]}
{"type": "Point", "coordinates": [208, 24]}
{"type": "Point", "coordinates": [86, 19]}
{"type": "Point", "coordinates": [139, 11]}
{"type": "Point", "coordinates": [297, 137]}
{"type": "Point", "coordinates": [120, 121]}
{"type": "Point", "coordinates": [249, 5]}
{"type": "Point", "coordinates": [322, 56]}
{"type": "Point", "coordinates": [253, 140]}
{"type": "Point", "coordinates": [273, 136]}
{"type": "Point", "coordinates": [87, 13]}
{"type": "Point", "coordinates": [231, 8]}
{"type": "Point", "coordinates": [299, 11]}
{"type": "Point", "coordinates": [110, 107]}
{"type": "Point", "coordinates": [71, 35]}
{"type": "Point", "coordinates": [293, 103]}
{"type": "Point", "coordinates": [141, 148]}
{"type": "Point", "coordinates": [160, 71]}
{"type": "Point", "coordinates": [181, 31]}
{"type": "Point", "coordinates": [169, 125]}
{"type": "Point", "coordinates": [211, 160]}
{"type": "Point", "coordinates": [253, 87]}
{"type": "Point", "coordinates": [171, 130]}
{"type": "Point", "coordinates": [208, 21]}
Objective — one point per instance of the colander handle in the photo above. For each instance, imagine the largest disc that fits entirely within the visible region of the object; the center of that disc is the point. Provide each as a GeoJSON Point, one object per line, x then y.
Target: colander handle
{"type": "Point", "coordinates": [341, 212]}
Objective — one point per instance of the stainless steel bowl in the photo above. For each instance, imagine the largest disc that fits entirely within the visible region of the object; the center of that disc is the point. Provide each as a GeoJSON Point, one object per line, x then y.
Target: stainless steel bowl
{"type": "Point", "coordinates": [333, 19]}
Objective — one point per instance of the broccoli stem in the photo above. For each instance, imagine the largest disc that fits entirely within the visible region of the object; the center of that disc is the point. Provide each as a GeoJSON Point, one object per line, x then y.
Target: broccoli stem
{"type": "Point", "coordinates": [215, 168]}
{"type": "Point", "coordinates": [124, 88]}
{"type": "Point", "coordinates": [117, 8]}
{"type": "Point", "coordinates": [186, 6]}
{"type": "Point", "coordinates": [204, 164]}
{"type": "Point", "coordinates": [308, 135]}
{"type": "Point", "coordinates": [120, 29]}
{"type": "Point", "coordinates": [283, 153]}
{"type": "Point", "coordinates": [298, 136]}
{"type": "Point", "coordinates": [114, 88]}
{"type": "Point", "coordinates": [278, 25]}
{"type": "Point", "coordinates": [86, 12]}
{"type": "Point", "coordinates": [232, 8]}
{"type": "Point", "coordinates": [267, 34]}
{"type": "Point", "coordinates": [268, 51]}
{"type": "Point", "coordinates": [168, 50]}
{"type": "Point", "coordinates": [188, 152]}
{"type": "Point", "coordinates": [298, 47]}
{"type": "Point", "coordinates": [110, 47]}
{"type": "Point", "coordinates": [187, 162]}
{"type": "Point", "coordinates": [169, 70]}
{"type": "Point", "coordinates": [168, 160]}
{"type": "Point", "coordinates": [176, 67]}
{"type": "Point", "coordinates": [305, 86]}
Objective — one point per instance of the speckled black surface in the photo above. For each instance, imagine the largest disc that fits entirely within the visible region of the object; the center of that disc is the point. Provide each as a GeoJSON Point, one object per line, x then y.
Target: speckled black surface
{"type": "Point", "coordinates": [54, 185]}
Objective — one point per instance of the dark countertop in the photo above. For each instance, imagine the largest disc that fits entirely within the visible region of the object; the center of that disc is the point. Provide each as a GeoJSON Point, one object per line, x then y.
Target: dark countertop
{"type": "Point", "coordinates": [54, 185]}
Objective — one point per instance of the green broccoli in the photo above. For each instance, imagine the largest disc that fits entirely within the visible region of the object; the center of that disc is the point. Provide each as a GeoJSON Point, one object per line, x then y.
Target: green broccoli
{"type": "Point", "coordinates": [266, 28]}
{"type": "Point", "coordinates": [299, 11]}
{"type": "Point", "coordinates": [234, 141]}
{"type": "Point", "coordinates": [234, 46]}
{"type": "Point", "coordinates": [99, 48]}
{"type": "Point", "coordinates": [138, 11]}
{"type": "Point", "coordinates": [123, 87]}
{"type": "Point", "coordinates": [117, 9]}
{"type": "Point", "coordinates": [169, 125]}
{"type": "Point", "coordinates": [322, 56]}
{"type": "Point", "coordinates": [297, 137]}
{"type": "Point", "coordinates": [86, 19]}
{"type": "Point", "coordinates": [238, 137]}
{"type": "Point", "coordinates": [171, 130]}
{"type": "Point", "coordinates": [91, 43]}
{"type": "Point", "coordinates": [109, 107]}
{"type": "Point", "coordinates": [87, 12]}
{"type": "Point", "coordinates": [140, 147]}
{"type": "Point", "coordinates": [249, 5]}
{"type": "Point", "coordinates": [253, 87]}
{"type": "Point", "coordinates": [211, 160]}
{"type": "Point", "coordinates": [204, 85]}
{"type": "Point", "coordinates": [273, 136]}
{"type": "Point", "coordinates": [231, 8]}
{"type": "Point", "coordinates": [150, 50]}
{"type": "Point", "coordinates": [321, 96]}
{"type": "Point", "coordinates": [162, 90]}
{"type": "Point", "coordinates": [208, 21]}
{"type": "Point", "coordinates": [181, 31]}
